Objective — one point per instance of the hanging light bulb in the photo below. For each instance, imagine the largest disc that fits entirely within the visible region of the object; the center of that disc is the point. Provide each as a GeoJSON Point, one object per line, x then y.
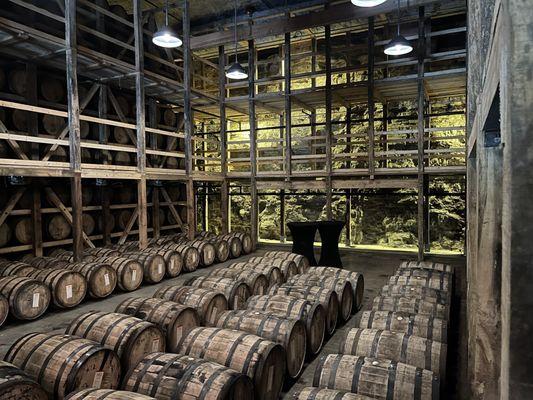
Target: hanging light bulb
{"type": "Point", "coordinates": [235, 70]}
{"type": "Point", "coordinates": [399, 45]}
{"type": "Point", "coordinates": [166, 37]}
{"type": "Point", "coordinates": [367, 3]}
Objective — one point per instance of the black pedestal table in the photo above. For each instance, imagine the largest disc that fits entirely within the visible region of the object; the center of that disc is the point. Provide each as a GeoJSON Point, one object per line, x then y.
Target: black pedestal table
{"type": "Point", "coordinates": [303, 238]}
{"type": "Point", "coordinates": [330, 232]}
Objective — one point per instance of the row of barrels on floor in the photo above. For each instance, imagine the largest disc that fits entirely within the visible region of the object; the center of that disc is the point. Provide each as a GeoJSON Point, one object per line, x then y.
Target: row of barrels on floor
{"type": "Point", "coordinates": [213, 351]}
{"type": "Point", "coordinates": [399, 350]}
{"type": "Point", "coordinates": [30, 286]}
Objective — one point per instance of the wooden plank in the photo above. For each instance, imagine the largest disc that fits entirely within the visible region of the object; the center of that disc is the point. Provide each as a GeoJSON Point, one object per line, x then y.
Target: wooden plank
{"type": "Point", "coordinates": [348, 218]}
{"type": "Point", "coordinates": [127, 230]}
{"type": "Point", "coordinates": [370, 98]}
{"type": "Point", "coordinates": [12, 202]}
{"type": "Point", "coordinates": [421, 125]}
{"type": "Point", "coordinates": [156, 224]}
{"type": "Point", "coordinates": [288, 105]}
{"type": "Point", "coordinates": [375, 184]}
{"type": "Point", "coordinates": [224, 187]}
{"type": "Point", "coordinates": [254, 212]}
{"type": "Point", "coordinates": [328, 129]}
{"type": "Point", "coordinates": [36, 222]}
{"type": "Point", "coordinates": [282, 217]}
{"type": "Point", "coordinates": [172, 209]}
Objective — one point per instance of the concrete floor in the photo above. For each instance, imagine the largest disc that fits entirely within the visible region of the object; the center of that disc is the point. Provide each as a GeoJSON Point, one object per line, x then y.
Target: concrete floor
{"type": "Point", "coordinates": [375, 266]}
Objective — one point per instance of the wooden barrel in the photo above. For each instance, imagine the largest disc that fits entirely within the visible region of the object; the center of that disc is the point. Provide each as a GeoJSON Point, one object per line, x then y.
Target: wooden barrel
{"type": "Point", "coordinates": [110, 221]}
{"type": "Point", "coordinates": [58, 227]}
{"type": "Point", "coordinates": [20, 120]}
{"type": "Point", "coordinates": [102, 252]}
{"type": "Point", "coordinates": [124, 105]}
{"type": "Point", "coordinates": [413, 324]}
{"type": "Point", "coordinates": [314, 393]}
{"type": "Point", "coordinates": [287, 268]}
{"type": "Point", "coordinates": [167, 376]}
{"type": "Point", "coordinates": [246, 240]}
{"type": "Point", "coordinates": [377, 378]}
{"type": "Point", "coordinates": [395, 346]}
{"type": "Point", "coordinates": [169, 117]}
{"type": "Point", "coordinates": [88, 224]}
{"type": "Point", "coordinates": [207, 303]}
{"type": "Point", "coordinates": [262, 360]}
{"type": "Point", "coordinates": [311, 314]}
{"type": "Point", "coordinates": [175, 320]}
{"type": "Point", "coordinates": [4, 311]}
{"type": "Point", "coordinates": [101, 277]}
{"type": "Point", "coordinates": [53, 124]}
{"type": "Point", "coordinates": [52, 90]}
{"type": "Point", "coordinates": [173, 260]}
{"type": "Point", "coordinates": [129, 272]}
{"type": "Point", "coordinates": [290, 333]}
{"type": "Point", "coordinates": [28, 298]}
{"type": "Point", "coordinates": [122, 158]}
{"type": "Point", "coordinates": [16, 81]}
{"type": "Point", "coordinates": [154, 267]}
{"type": "Point", "coordinates": [61, 364]}
{"type": "Point", "coordinates": [206, 250]}
{"type": "Point", "coordinates": [257, 282]}
{"type": "Point", "coordinates": [15, 268]}
{"type": "Point", "coordinates": [131, 338]}
{"type": "Point", "coordinates": [45, 262]}
{"type": "Point", "coordinates": [189, 254]}
{"type": "Point", "coordinates": [315, 294]}
{"type": "Point", "coordinates": [356, 279]}
{"type": "Point", "coordinates": [273, 273]}
{"type": "Point", "coordinates": [123, 218]}
{"type": "Point", "coordinates": [416, 291]}
{"type": "Point", "coordinates": [221, 249]}
{"type": "Point", "coordinates": [16, 384]}
{"type": "Point", "coordinates": [341, 286]}
{"type": "Point", "coordinates": [301, 261]}
{"type": "Point", "coordinates": [68, 288]}
{"type": "Point", "coordinates": [237, 292]}
{"type": "Point", "coordinates": [121, 135]}
{"type": "Point", "coordinates": [65, 255]}
{"type": "Point", "coordinates": [411, 305]}
{"type": "Point", "coordinates": [416, 277]}
{"type": "Point", "coordinates": [5, 234]}
{"type": "Point", "coordinates": [427, 265]}
{"type": "Point", "coordinates": [2, 78]}
{"type": "Point", "coordinates": [60, 154]}
{"type": "Point", "coordinates": [107, 394]}
{"type": "Point", "coordinates": [235, 244]}
{"type": "Point", "coordinates": [24, 231]}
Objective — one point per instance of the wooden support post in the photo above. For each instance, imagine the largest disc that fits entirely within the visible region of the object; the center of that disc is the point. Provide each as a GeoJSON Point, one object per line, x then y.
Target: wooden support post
{"type": "Point", "coordinates": [141, 124]}
{"type": "Point", "coordinates": [188, 118]}
{"type": "Point", "coordinates": [254, 214]}
{"type": "Point", "coordinates": [205, 219]}
{"type": "Point", "coordinates": [104, 190]}
{"type": "Point", "coordinates": [427, 211]}
{"type": "Point", "coordinates": [348, 149]}
{"type": "Point", "coordinates": [224, 187]}
{"type": "Point", "coordinates": [282, 217]}
{"type": "Point", "coordinates": [329, 131]}
{"type": "Point", "coordinates": [420, 128]}
{"type": "Point", "coordinates": [288, 107]}
{"type": "Point", "coordinates": [156, 224]}
{"type": "Point", "coordinates": [348, 241]}
{"type": "Point", "coordinates": [371, 108]}
{"type": "Point", "coordinates": [384, 140]}
{"type": "Point", "coordinates": [74, 126]}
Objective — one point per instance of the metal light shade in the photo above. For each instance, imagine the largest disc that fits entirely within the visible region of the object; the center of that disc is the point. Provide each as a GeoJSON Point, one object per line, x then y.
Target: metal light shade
{"type": "Point", "coordinates": [398, 46]}
{"type": "Point", "coordinates": [236, 71]}
{"type": "Point", "coordinates": [368, 3]}
{"type": "Point", "coordinates": [166, 37]}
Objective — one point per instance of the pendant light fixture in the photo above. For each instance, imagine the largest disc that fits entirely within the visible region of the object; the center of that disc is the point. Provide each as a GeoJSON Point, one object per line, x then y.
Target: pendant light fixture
{"type": "Point", "coordinates": [235, 70]}
{"type": "Point", "coordinates": [166, 37]}
{"type": "Point", "coordinates": [367, 3]}
{"type": "Point", "coordinates": [399, 45]}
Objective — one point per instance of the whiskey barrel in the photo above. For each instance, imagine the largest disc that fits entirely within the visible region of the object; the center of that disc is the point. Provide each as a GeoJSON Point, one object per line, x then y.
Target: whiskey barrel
{"type": "Point", "coordinates": [413, 324]}
{"type": "Point", "coordinates": [124, 105]}
{"type": "Point", "coordinates": [20, 119]}
{"type": "Point", "coordinates": [123, 218]}
{"type": "Point", "coordinates": [122, 158]}
{"type": "Point", "coordinates": [190, 255]}
{"type": "Point", "coordinates": [169, 117]}
{"type": "Point", "coordinates": [356, 279]}
{"type": "Point", "coordinates": [4, 311]}
{"type": "Point", "coordinates": [101, 252]}
{"type": "Point", "coordinates": [411, 305]}
{"type": "Point", "coordinates": [262, 360]}
{"type": "Point", "coordinates": [52, 90]}
{"type": "Point", "coordinates": [395, 346]}
{"type": "Point", "coordinates": [24, 231]}
{"type": "Point", "coordinates": [44, 262]}
{"type": "Point", "coordinates": [16, 384]}
{"type": "Point", "coordinates": [167, 376]}
{"type": "Point", "coordinates": [207, 303]}
{"type": "Point", "coordinates": [110, 222]}
{"type": "Point", "coordinates": [257, 282]}
{"type": "Point", "coordinates": [175, 320]}
{"type": "Point", "coordinates": [221, 249]}
{"type": "Point", "coordinates": [61, 364]}
{"type": "Point", "coordinates": [68, 288]}
{"type": "Point", "coordinates": [287, 268]}
{"type": "Point", "coordinates": [237, 292]}
{"type": "Point", "coordinates": [314, 393]}
{"type": "Point", "coordinates": [60, 154]}
{"type": "Point", "coordinates": [58, 227]}
{"type": "Point", "coordinates": [311, 314]}
{"type": "Point", "coordinates": [341, 286]}
{"type": "Point", "coordinates": [16, 81]}
{"type": "Point", "coordinates": [273, 273]}
{"type": "Point", "coordinates": [15, 268]}
{"type": "Point", "coordinates": [416, 277]}
{"type": "Point", "coordinates": [5, 234]}
{"type": "Point", "coordinates": [101, 277]}
{"type": "Point", "coordinates": [121, 135]}
{"type": "Point", "coordinates": [129, 272]}
{"type": "Point", "coordinates": [440, 296]}
{"type": "Point", "coordinates": [153, 265]}
{"type": "Point", "coordinates": [206, 250]}
{"type": "Point", "coordinates": [246, 240]}
{"type": "Point", "coordinates": [65, 255]}
{"type": "Point", "coordinates": [377, 378]}
{"type": "Point", "coordinates": [88, 224]}
{"type": "Point", "coordinates": [107, 394]}
{"type": "Point", "coordinates": [427, 265]}
{"type": "Point", "coordinates": [28, 298]}
{"type": "Point", "coordinates": [173, 260]}
{"type": "Point", "coordinates": [235, 244]}
{"type": "Point", "coordinates": [290, 333]}
{"type": "Point", "coordinates": [315, 294]}
{"type": "Point", "coordinates": [131, 338]}
{"type": "Point", "coordinates": [301, 261]}
{"type": "Point", "coordinates": [53, 124]}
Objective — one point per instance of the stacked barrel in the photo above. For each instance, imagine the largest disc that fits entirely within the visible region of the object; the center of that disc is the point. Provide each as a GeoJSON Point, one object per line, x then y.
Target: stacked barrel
{"type": "Point", "coordinates": [399, 350]}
